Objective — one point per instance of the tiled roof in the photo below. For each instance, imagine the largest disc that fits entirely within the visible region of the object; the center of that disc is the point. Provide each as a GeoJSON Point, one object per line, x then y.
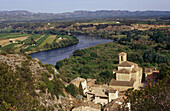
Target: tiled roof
{"type": "Point", "coordinates": [98, 90]}
{"type": "Point", "coordinates": [113, 105]}
{"type": "Point", "coordinates": [122, 53]}
{"type": "Point", "coordinates": [126, 71]}
{"type": "Point", "coordinates": [77, 81]}
{"type": "Point", "coordinates": [127, 64]}
{"type": "Point", "coordinates": [113, 82]}
{"type": "Point", "coordinates": [112, 90]}
{"type": "Point", "coordinates": [135, 70]}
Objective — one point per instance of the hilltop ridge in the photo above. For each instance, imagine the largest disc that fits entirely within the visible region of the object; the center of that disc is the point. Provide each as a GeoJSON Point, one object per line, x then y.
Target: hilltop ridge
{"type": "Point", "coordinates": [22, 15]}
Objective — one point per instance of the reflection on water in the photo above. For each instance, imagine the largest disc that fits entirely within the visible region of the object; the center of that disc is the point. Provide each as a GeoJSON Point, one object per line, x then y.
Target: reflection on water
{"type": "Point", "coordinates": [52, 56]}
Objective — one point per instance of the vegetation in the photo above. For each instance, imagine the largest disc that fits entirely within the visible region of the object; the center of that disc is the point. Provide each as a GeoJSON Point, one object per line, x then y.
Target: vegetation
{"type": "Point", "coordinates": [11, 35]}
{"type": "Point", "coordinates": [99, 61]}
{"type": "Point", "coordinates": [72, 89]}
{"type": "Point", "coordinates": [38, 42]}
{"type": "Point", "coordinates": [18, 88]}
{"type": "Point", "coordinates": [155, 97]}
{"type": "Point", "coordinates": [147, 45]}
{"type": "Point", "coordinates": [21, 83]}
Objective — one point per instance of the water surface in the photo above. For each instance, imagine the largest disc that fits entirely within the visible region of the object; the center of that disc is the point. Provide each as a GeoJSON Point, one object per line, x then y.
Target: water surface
{"type": "Point", "coordinates": [54, 55]}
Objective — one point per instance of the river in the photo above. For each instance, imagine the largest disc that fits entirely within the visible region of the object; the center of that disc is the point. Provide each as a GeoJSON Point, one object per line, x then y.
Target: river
{"type": "Point", "coordinates": [54, 55]}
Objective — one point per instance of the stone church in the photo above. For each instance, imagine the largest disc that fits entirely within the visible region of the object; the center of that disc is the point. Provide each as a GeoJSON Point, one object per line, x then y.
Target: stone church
{"type": "Point", "coordinates": [128, 75]}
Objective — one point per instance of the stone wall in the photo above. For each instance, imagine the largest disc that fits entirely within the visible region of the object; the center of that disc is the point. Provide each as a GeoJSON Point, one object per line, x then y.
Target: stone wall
{"type": "Point", "coordinates": [103, 101]}
{"type": "Point", "coordinates": [120, 88]}
{"type": "Point", "coordinates": [113, 96]}
{"type": "Point", "coordinates": [123, 77]}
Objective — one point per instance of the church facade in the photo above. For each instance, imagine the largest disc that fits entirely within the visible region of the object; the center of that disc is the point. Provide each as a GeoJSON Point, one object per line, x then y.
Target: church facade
{"type": "Point", "coordinates": [128, 75]}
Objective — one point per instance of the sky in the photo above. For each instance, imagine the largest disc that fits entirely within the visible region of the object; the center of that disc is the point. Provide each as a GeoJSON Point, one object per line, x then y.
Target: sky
{"type": "Point", "coordinates": [60, 6]}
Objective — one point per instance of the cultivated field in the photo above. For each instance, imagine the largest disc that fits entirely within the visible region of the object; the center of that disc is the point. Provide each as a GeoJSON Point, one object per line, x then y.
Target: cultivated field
{"type": "Point", "coordinates": [50, 39]}
{"type": "Point", "coordinates": [47, 39]}
{"type": "Point", "coordinates": [5, 41]}
{"type": "Point", "coordinates": [11, 35]}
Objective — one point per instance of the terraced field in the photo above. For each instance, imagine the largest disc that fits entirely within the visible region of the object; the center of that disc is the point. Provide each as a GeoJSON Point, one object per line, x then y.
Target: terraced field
{"type": "Point", "coordinates": [33, 43]}
{"type": "Point", "coordinates": [11, 35]}
{"type": "Point", "coordinates": [38, 42]}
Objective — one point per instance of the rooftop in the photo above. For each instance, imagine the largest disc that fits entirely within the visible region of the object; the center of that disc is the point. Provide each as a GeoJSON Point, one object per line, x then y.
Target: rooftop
{"type": "Point", "coordinates": [130, 83]}
{"type": "Point", "coordinates": [122, 53]}
{"type": "Point", "coordinates": [126, 71]}
{"type": "Point", "coordinates": [127, 64]}
{"type": "Point", "coordinates": [98, 90]}
{"type": "Point", "coordinates": [78, 79]}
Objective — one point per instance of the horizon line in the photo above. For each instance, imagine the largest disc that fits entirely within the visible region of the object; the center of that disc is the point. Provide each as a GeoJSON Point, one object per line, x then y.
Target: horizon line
{"type": "Point", "coordinates": [85, 10]}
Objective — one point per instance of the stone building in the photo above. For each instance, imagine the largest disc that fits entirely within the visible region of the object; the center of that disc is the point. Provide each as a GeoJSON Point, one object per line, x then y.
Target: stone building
{"type": "Point", "coordinates": [101, 94]}
{"type": "Point", "coordinates": [116, 105]}
{"type": "Point", "coordinates": [128, 75]}
{"type": "Point", "coordinates": [151, 74]}
{"type": "Point", "coordinates": [88, 106]}
{"type": "Point", "coordinates": [83, 82]}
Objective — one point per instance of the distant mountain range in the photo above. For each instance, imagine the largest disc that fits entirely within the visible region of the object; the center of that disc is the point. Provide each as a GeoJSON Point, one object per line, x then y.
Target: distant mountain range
{"type": "Point", "coordinates": [20, 15]}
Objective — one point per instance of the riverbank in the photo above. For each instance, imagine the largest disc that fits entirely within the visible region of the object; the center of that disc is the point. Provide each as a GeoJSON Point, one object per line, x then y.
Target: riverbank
{"type": "Point", "coordinates": [38, 42]}
{"type": "Point", "coordinates": [55, 55]}
{"type": "Point", "coordinates": [63, 43]}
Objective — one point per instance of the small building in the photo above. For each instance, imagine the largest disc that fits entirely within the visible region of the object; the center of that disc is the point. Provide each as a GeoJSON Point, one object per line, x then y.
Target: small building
{"type": "Point", "coordinates": [113, 94]}
{"type": "Point", "coordinates": [116, 105]}
{"type": "Point", "coordinates": [83, 82]}
{"type": "Point", "coordinates": [87, 106]}
{"type": "Point", "coordinates": [151, 73]}
{"type": "Point", "coordinates": [128, 75]}
{"type": "Point", "coordinates": [101, 94]}
{"type": "Point", "coordinates": [12, 40]}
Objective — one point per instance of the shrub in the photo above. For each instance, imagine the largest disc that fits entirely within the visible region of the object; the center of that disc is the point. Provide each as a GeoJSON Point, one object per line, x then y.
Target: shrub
{"type": "Point", "coordinates": [78, 53]}
{"type": "Point", "coordinates": [72, 89]}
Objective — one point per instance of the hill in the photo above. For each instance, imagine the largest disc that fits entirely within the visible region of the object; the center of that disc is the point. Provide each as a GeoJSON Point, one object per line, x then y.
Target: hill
{"type": "Point", "coordinates": [20, 15]}
{"type": "Point", "coordinates": [28, 85]}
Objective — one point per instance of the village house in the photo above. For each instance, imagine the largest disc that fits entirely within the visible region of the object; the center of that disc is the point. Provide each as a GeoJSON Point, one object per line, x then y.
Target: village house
{"type": "Point", "coordinates": [101, 94]}
{"type": "Point", "coordinates": [151, 74]}
{"type": "Point", "coordinates": [87, 106]}
{"type": "Point", "coordinates": [83, 82]}
{"type": "Point", "coordinates": [128, 75]}
{"type": "Point", "coordinates": [116, 105]}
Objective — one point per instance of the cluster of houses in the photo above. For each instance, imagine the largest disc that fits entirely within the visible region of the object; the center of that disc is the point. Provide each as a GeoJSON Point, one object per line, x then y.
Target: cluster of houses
{"type": "Point", "coordinates": [128, 75]}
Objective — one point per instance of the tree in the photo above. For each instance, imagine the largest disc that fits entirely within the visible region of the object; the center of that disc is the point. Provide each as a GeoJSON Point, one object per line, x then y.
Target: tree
{"type": "Point", "coordinates": [81, 89]}
{"type": "Point", "coordinates": [105, 76]}
{"type": "Point", "coordinates": [155, 97]}
{"type": "Point", "coordinates": [72, 89]}
{"type": "Point", "coordinates": [78, 52]}
{"type": "Point", "coordinates": [59, 64]}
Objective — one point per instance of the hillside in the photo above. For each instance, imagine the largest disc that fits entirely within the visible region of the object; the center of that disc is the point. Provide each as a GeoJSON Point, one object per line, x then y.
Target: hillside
{"type": "Point", "coordinates": [12, 16]}
{"type": "Point", "coordinates": [26, 84]}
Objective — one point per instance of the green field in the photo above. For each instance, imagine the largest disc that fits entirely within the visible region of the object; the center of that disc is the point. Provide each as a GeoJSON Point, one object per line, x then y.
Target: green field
{"type": "Point", "coordinates": [38, 43]}
{"type": "Point", "coordinates": [11, 35]}
{"type": "Point", "coordinates": [34, 37]}
{"type": "Point", "coordinates": [46, 40]}
{"type": "Point", "coordinates": [50, 39]}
